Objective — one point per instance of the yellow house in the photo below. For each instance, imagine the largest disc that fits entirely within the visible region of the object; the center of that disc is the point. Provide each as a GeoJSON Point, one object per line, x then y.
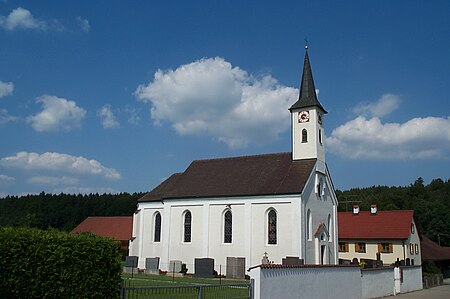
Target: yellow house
{"type": "Point", "coordinates": [389, 236]}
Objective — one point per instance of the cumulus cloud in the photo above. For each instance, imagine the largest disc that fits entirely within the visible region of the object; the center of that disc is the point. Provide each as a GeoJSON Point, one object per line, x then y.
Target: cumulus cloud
{"type": "Point", "coordinates": [62, 163]}
{"type": "Point", "coordinates": [21, 18]}
{"type": "Point", "coordinates": [382, 107]}
{"type": "Point", "coordinates": [6, 180]}
{"type": "Point", "coordinates": [418, 138]}
{"type": "Point", "coordinates": [58, 114]}
{"type": "Point", "coordinates": [84, 24]}
{"type": "Point", "coordinates": [210, 96]}
{"type": "Point", "coordinates": [107, 117]}
{"type": "Point", "coordinates": [5, 117]}
{"type": "Point", "coordinates": [6, 89]}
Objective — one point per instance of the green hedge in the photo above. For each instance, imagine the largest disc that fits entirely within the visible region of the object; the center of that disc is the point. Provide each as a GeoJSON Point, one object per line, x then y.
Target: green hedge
{"type": "Point", "coordinates": [53, 264]}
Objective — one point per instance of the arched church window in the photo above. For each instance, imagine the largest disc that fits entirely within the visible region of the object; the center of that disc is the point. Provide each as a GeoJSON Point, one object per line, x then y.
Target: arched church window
{"type": "Point", "coordinates": [157, 235]}
{"type": "Point", "coordinates": [329, 226]}
{"type": "Point", "coordinates": [228, 227]}
{"type": "Point", "coordinates": [304, 136]}
{"type": "Point", "coordinates": [187, 226]}
{"type": "Point", "coordinates": [272, 227]}
{"type": "Point", "coordinates": [309, 225]}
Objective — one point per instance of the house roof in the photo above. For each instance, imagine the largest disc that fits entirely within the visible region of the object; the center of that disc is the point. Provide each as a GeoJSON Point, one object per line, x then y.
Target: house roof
{"type": "Point", "coordinates": [382, 225]}
{"type": "Point", "coordinates": [307, 96]}
{"type": "Point", "coordinates": [117, 227]}
{"type": "Point", "coordinates": [432, 251]}
{"type": "Point", "coordinates": [269, 174]}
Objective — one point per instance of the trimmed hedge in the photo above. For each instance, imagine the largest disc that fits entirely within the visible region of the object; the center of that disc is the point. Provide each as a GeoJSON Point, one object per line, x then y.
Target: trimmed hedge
{"type": "Point", "coordinates": [53, 264]}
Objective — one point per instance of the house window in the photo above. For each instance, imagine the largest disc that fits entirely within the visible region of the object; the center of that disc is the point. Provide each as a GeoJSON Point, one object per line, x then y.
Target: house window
{"type": "Point", "coordinates": [385, 248]}
{"type": "Point", "coordinates": [187, 227]}
{"type": "Point", "coordinates": [304, 136]}
{"type": "Point", "coordinates": [360, 247]}
{"type": "Point", "coordinates": [417, 248]}
{"type": "Point", "coordinates": [272, 227]}
{"type": "Point", "coordinates": [411, 248]}
{"type": "Point", "coordinates": [309, 225]}
{"type": "Point", "coordinates": [343, 247]}
{"type": "Point", "coordinates": [157, 236]}
{"type": "Point", "coordinates": [228, 227]}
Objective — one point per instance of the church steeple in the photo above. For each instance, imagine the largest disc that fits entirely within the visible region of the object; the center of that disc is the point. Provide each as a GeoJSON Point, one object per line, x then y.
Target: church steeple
{"type": "Point", "coordinates": [307, 119]}
{"type": "Point", "coordinates": [307, 96]}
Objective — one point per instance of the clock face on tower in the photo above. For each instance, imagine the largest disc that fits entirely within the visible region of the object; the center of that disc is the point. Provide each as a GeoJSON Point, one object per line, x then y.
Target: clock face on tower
{"type": "Point", "coordinates": [319, 118]}
{"type": "Point", "coordinates": [303, 117]}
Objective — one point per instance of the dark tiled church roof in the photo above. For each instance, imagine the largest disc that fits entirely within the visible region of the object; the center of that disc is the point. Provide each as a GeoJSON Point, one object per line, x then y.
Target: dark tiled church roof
{"type": "Point", "coordinates": [269, 174]}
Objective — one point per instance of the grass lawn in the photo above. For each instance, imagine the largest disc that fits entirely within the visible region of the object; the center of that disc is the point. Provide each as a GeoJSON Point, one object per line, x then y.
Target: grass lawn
{"type": "Point", "coordinates": [185, 287]}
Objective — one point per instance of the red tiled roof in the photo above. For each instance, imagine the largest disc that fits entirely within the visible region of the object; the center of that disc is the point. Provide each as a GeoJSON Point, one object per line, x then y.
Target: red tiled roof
{"type": "Point", "coordinates": [117, 227]}
{"type": "Point", "coordinates": [382, 225]}
{"type": "Point", "coordinates": [269, 174]}
{"type": "Point", "coordinates": [432, 251]}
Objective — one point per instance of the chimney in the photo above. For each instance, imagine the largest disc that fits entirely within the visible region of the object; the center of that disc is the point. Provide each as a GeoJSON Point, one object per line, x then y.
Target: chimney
{"type": "Point", "coordinates": [355, 210]}
{"type": "Point", "coordinates": [373, 209]}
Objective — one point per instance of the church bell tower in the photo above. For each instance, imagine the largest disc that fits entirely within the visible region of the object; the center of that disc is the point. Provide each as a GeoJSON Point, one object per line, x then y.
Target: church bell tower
{"type": "Point", "coordinates": [307, 119]}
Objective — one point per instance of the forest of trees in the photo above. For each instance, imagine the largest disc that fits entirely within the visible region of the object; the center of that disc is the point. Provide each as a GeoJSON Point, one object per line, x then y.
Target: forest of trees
{"type": "Point", "coordinates": [431, 204]}
{"type": "Point", "coordinates": [63, 211]}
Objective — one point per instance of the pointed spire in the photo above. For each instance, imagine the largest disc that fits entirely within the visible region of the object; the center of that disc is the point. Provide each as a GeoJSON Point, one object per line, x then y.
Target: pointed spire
{"type": "Point", "coordinates": [307, 97]}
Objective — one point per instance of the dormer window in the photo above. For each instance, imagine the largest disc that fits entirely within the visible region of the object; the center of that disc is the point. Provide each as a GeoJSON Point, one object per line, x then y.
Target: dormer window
{"type": "Point", "coordinates": [304, 136]}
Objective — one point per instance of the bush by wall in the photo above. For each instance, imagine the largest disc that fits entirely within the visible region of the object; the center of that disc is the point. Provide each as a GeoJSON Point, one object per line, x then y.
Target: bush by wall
{"type": "Point", "coordinates": [53, 264]}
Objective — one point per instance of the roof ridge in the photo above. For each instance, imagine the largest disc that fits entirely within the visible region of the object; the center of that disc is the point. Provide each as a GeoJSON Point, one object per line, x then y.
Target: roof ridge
{"type": "Point", "coordinates": [240, 157]}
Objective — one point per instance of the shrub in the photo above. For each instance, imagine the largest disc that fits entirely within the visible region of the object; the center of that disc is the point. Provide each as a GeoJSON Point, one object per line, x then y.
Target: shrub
{"type": "Point", "coordinates": [53, 264]}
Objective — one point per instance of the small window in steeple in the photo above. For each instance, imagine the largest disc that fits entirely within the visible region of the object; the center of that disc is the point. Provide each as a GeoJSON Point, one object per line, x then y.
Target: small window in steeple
{"type": "Point", "coordinates": [304, 136]}
{"type": "Point", "coordinates": [320, 136]}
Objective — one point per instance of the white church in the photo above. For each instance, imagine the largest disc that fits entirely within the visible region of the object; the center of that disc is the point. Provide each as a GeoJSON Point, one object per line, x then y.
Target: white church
{"type": "Point", "coordinates": [279, 205]}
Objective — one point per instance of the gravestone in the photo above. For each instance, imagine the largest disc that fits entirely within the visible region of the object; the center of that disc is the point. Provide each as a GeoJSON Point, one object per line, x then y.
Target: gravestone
{"type": "Point", "coordinates": [292, 260]}
{"type": "Point", "coordinates": [152, 265]}
{"type": "Point", "coordinates": [204, 267]}
{"type": "Point", "coordinates": [131, 263]}
{"type": "Point", "coordinates": [175, 266]}
{"type": "Point", "coordinates": [235, 267]}
{"type": "Point", "coordinates": [265, 260]}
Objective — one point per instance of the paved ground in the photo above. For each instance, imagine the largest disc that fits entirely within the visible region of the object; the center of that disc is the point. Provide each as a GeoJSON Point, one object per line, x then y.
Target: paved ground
{"type": "Point", "coordinates": [440, 292]}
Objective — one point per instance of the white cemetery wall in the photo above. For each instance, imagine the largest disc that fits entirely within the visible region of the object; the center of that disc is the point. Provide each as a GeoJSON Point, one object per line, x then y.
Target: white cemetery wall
{"type": "Point", "coordinates": [276, 281]}
{"type": "Point", "coordinates": [377, 282]}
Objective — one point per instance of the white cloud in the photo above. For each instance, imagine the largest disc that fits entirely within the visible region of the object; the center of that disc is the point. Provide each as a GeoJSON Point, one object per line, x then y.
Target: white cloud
{"type": "Point", "coordinates": [6, 180]}
{"type": "Point", "coordinates": [108, 118]}
{"type": "Point", "coordinates": [418, 138]}
{"type": "Point", "coordinates": [84, 24]}
{"type": "Point", "coordinates": [133, 113]}
{"type": "Point", "coordinates": [384, 106]}
{"type": "Point", "coordinates": [6, 89]}
{"type": "Point", "coordinates": [211, 96]}
{"type": "Point", "coordinates": [62, 163]}
{"type": "Point", "coordinates": [52, 181]}
{"type": "Point", "coordinates": [21, 18]}
{"type": "Point", "coordinates": [5, 117]}
{"type": "Point", "coordinates": [58, 114]}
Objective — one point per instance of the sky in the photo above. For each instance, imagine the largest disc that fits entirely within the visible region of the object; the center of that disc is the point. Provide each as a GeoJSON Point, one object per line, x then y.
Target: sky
{"type": "Point", "coordinates": [115, 96]}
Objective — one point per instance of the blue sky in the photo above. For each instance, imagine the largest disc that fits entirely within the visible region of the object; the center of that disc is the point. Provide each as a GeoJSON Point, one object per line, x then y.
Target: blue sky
{"type": "Point", "coordinates": [115, 96]}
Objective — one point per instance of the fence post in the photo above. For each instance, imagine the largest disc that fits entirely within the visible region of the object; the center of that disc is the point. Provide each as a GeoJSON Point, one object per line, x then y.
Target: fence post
{"type": "Point", "coordinates": [251, 288]}
{"type": "Point", "coordinates": [200, 290]}
{"type": "Point", "coordinates": [122, 289]}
